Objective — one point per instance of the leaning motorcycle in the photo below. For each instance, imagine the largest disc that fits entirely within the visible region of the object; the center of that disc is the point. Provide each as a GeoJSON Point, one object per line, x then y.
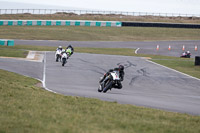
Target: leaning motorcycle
{"type": "Point", "coordinates": [69, 52]}
{"type": "Point", "coordinates": [58, 55]}
{"type": "Point", "coordinates": [109, 81]}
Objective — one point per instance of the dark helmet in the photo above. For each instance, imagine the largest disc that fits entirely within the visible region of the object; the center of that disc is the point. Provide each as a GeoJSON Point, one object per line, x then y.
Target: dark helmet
{"type": "Point", "coordinates": [69, 46]}
{"type": "Point", "coordinates": [110, 70]}
{"type": "Point", "coordinates": [121, 67]}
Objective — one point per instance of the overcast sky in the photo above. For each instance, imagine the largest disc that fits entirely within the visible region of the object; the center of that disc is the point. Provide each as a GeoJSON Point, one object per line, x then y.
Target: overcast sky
{"type": "Point", "coordinates": [157, 6]}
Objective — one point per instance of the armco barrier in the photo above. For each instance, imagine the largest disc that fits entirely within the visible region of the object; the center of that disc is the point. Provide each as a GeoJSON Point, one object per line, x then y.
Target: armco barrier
{"type": "Point", "coordinates": [61, 22]}
{"type": "Point", "coordinates": [2, 42]}
{"type": "Point", "coordinates": [10, 42]}
{"type": "Point", "coordinates": [167, 25]}
{"type": "Point", "coordinates": [7, 42]}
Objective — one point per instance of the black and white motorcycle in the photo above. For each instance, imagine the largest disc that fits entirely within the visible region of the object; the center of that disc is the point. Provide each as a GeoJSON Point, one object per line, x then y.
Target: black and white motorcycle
{"type": "Point", "coordinates": [112, 79]}
{"type": "Point", "coordinates": [64, 58]}
{"type": "Point", "coordinates": [58, 55]}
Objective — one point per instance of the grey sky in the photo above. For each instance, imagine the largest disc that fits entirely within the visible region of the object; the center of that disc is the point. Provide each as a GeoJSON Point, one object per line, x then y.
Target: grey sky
{"type": "Point", "coordinates": [157, 6]}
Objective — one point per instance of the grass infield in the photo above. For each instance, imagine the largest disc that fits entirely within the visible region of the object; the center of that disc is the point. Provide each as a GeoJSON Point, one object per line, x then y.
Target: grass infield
{"type": "Point", "coordinates": [81, 33]}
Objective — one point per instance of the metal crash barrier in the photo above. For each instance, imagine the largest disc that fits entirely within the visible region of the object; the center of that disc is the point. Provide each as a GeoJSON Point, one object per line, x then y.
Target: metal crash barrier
{"type": "Point", "coordinates": [60, 22]}
{"type": "Point", "coordinates": [4, 42]}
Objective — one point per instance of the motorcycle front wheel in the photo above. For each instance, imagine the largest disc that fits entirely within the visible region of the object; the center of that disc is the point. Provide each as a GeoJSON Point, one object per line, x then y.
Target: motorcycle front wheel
{"type": "Point", "coordinates": [107, 86]}
{"type": "Point", "coordinates": [100, 88]}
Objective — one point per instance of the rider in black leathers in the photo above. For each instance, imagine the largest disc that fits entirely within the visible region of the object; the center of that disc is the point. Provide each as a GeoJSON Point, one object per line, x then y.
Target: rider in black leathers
{"type": "Point", "coordinates": [121, 76]}
{"type": "Point", "coordinates": [70, 48]}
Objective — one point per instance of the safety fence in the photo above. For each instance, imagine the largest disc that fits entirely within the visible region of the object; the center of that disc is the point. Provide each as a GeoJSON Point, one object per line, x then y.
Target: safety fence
{"type": "Point", "coordinates": [60, 22]}
{"type": "Point", "coordinates": [95, 12]}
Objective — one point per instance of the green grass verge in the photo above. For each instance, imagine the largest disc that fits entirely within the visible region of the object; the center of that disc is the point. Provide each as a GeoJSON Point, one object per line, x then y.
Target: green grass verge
{"type": "Point", "coordinates": [8, 52]}
{"type": "Point", "coordinates": [25, 107]}
{"type": "Point", "coordinates": [80, 33]}
{"type": "Point", "coordinates": [183, 65]}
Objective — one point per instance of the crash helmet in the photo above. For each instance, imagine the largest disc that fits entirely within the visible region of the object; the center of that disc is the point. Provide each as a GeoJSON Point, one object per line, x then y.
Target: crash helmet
{"type": "Point", "coordinates": [121, 67]}
{"type": "Point", "coordinates": [110, 70]}
{"type": "Point", "coordinates": [188, 52]}
{"type": "Point", "coordinates": [60, 47]}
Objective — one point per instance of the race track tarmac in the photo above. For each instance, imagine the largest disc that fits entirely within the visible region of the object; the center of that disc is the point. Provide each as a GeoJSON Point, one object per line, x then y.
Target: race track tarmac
{"type": "Point", "coordinates": [145, 83]}
{"type": "Point", "coordinates": [146, 47]}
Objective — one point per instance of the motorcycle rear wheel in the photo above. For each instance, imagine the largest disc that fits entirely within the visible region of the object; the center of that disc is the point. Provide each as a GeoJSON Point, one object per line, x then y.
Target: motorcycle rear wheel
{"type": "Point", "coordinates": [57, 57]}
{"type": "Point", "coordinates": [63, 61]}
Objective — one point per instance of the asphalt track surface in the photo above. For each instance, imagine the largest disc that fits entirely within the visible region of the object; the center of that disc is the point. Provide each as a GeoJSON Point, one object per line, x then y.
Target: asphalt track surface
{"type": "Point", "coordinates": [146, 47]}
{"type": "Point", "coordinates": [145, 83]}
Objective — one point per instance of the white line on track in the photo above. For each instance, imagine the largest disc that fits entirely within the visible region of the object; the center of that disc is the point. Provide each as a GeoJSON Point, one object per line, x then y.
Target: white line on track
{"type": "Point", "coordinates": [44, 71]}
{"type": "Point", "coordinates": [44, 76]}
{"type": "Point", "coordinates": [173, 70]}
{"type": "Point", "coordinates": [136, 50]}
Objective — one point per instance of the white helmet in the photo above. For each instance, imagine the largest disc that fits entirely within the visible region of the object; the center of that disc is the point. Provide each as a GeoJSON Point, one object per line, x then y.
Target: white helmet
{"type": "Point", "coordinates": [60, 47]}
{"type": "Point", "coordinates": [188, 51]}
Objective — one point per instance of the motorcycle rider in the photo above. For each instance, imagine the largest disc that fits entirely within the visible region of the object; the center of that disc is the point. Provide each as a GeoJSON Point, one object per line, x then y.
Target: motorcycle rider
{"type": "Point", "coordinates": [121, 76]}
{"type": "Point", "coordinates": [72, 49]}
{"type": "Point", "coordinates": [188, 54]}
{"type": "Point", "coordinates": [59, 48]}
{"type": "Point", "coordinates": [184, 54]}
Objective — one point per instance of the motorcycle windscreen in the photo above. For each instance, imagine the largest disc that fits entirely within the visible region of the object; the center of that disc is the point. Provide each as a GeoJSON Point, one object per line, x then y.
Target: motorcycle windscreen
{"type": "Point", "coordinates": [115, 75]}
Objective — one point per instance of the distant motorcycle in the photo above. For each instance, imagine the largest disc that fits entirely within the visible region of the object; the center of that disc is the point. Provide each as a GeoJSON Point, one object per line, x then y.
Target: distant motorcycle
{"type": "Point", "coordinates": [64, 58]}
{"type": "Point", "coordinates": [58, 55]}
{"type": "Point", "coordinates": [109, 81]}
{"type": "Point", "coordinates": [186, 55]}
{"type": "Point", "coordinates": [69, 52]}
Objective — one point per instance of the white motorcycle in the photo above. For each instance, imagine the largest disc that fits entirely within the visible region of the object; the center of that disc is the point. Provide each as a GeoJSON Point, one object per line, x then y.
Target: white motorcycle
{"type": "Point", "coordinates": [58, 55]}
{"type": "Point", "coordinates": [109, 81]}
{"type": "Point", "coordinates": [64, 58]}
